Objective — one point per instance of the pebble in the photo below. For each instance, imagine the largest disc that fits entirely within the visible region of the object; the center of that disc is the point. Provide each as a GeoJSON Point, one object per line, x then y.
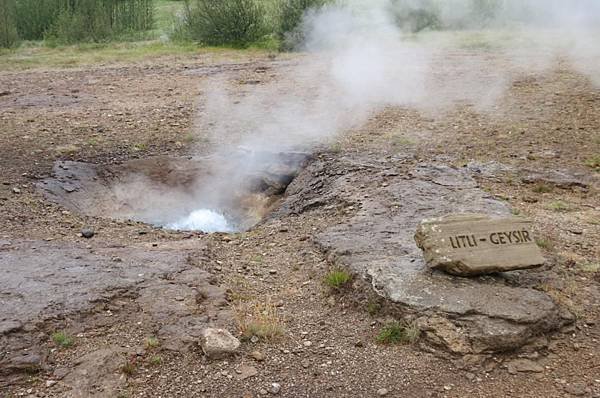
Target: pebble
{"type": "Point", "coordinates": [16, 190]}
{"type": "Point", "coordinates": [87, 233]}
{"type": "Point", "coordinates": [50, 383]}
{"type": "Point", "coordinates": [275, 388]}
{"type": "Point", "coordinates": [305, 363]}
{"type": "Point", "coordinates": [307, 343]}
{"type": "Point", "coordinates": [382, 392]}
{"type": "Point", "coordinates": [258, 356]}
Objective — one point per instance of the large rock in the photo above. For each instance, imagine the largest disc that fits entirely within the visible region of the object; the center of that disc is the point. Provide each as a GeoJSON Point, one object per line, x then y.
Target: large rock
{"type": "Point", "coordinates": [476, 244]}
{"type": "Point", "coordinates": [218, 343]}
{"type": "Point", "coordinates": [385, 200]}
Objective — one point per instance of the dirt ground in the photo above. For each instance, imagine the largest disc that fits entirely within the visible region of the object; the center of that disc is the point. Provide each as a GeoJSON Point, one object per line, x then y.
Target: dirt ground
{"type": "Point", "coordinates": [109, 114]}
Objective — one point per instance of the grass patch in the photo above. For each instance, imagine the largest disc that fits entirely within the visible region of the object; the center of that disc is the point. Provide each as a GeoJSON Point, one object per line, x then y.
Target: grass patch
{"type": "Point", "coordinates": [337, 279]}
{"type": "Point", "coordinates": [62, 339]}
{"type": "Point", "coordinates": [590, 267]}
{"type": "Point", "coordinates": [542, 188]}
{"type": "Point", "coordinates": [261, 320]}
{"type": "Point", "coordinates": [594, 162]}
{"type": "Point", "coordinates": [559, 206]}
{"type": "Point", "coordinates": [152, 342]}
{"type": "Point", "coordinates": [130, 366]}
{"type": "Point", "coordinates": [156, 360]}
{"type": "Point", "coordinates": [545, 244]}
{"type": "Point", "coordinates": [398, 333]}
{"type": "Point", "coordinates": [373, 307]}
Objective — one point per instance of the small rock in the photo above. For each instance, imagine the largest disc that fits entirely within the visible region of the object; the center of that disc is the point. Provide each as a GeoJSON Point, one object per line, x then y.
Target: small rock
{"type": "Point", "coordinates": [307, 343]}
{"type": "Point", "coordinates": [258, 356]}
{"type": "Point", "coordinates": [305, 363]}
{"type": "Point", "coordinates": [263, 391]}
{"type": "Point", "coordinates": [16, 190]}
{"type": "Point", "coordinates": [254, 339]}
{"type": "Point", "coordinates": [87, 233]}
{"type": "Point", "coordinates": [275, 388]}
{"type": "Point", "coordinates": [50, 383]}
{"type": "Point", "coordinates": [272, 271]}
{"type": "Point", "coordinates": [524, 366]}
{"type": "Point", "coordinates": [577, 389]}
{"type": "Point", "coordinates": [218, 343]}
{"type": "Point", "coordinates": [247, 372]}
{"type": "Point", "coordinates": [382, 392]}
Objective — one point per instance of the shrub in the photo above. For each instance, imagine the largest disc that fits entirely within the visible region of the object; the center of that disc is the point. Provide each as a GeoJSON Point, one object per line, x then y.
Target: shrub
{"type": "Point", "coordinates": [90, 20]}
{"type": "Point", "coordinates": [291, 14]}
{"type": "Point", "coordinates": [8, 27]}
{"type": "Point", "coordinates": [236, 23]}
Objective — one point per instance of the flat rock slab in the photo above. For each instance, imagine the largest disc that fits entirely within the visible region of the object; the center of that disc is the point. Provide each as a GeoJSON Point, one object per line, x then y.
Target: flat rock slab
{"type": "Point", "coordinates": [476, 244]}
{"type": "Point", "coordinates": [46, 282]}
{"type": "Point", "coordinates": [389, 197]}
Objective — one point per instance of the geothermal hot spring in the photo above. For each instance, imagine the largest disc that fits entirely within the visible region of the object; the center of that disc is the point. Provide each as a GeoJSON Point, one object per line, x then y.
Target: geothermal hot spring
{"type": "Point", "coordinates": [218, 193]}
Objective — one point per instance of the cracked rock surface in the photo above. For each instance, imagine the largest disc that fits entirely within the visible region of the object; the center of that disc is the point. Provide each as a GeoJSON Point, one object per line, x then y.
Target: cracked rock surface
{"type": "Point", "coordinates": [463, 315]}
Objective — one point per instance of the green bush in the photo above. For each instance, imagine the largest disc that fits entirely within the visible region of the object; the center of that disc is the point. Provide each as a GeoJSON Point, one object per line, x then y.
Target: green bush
{"type": "Point", "coordinates": [291, 13]}
{"type": "Point", "coordinates": [8, 27]}
{"type": "Point", "coordinates": [416, 16]}
{"type": "Point", "coordinates": [237, 23]}
{"type": "Point", "coordinates": [73, 20]}
{"type": "Point", "coordinates": [91, 20]}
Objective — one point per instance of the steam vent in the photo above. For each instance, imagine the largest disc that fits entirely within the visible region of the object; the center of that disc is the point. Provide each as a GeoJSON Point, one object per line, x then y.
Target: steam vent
{"type": "Point", "coordinates": [299, 198]}
{"type": "Point", "coordinates": [207, 194]}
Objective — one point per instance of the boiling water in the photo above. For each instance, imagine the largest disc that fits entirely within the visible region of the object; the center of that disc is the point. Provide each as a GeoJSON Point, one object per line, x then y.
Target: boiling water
{"type": "Point", "coordinates": [204, 220]}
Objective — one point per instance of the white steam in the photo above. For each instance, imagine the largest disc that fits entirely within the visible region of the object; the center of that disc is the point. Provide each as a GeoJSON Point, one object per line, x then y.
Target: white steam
{"type": "Point", "coordinates": [360, 58]}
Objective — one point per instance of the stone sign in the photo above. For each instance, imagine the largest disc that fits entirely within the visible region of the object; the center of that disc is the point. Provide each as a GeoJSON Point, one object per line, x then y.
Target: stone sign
{"type": "Point", "coordinates": [475, 244]}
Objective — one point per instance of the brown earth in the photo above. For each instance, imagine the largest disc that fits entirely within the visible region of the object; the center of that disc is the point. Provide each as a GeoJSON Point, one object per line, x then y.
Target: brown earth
{"type": "Point", "coordinates": [114, 113]}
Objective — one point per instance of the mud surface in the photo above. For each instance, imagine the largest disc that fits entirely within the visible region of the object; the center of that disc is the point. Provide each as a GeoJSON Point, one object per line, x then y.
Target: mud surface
{"type": "Point", "coordinates": [134, 297]}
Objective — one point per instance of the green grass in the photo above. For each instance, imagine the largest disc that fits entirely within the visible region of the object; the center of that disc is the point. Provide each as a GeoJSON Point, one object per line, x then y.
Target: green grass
{"type": "Point", "coordinates": [544, 244]}
{"type": "Point", "coordinates": [35, 55]}
{"type": "Point", "coordinates": [559, 206]}
{"type": "Point", "coordinates": [594, 162]}
{"type": "Point", "coordinates": [338, 278]}
{"type": "Point", "coordinates": [156, 360]}
{"type": "Point", "coordinates": [398, 333]}
{"type": "Point", "coordinates": [62, 339]}
{"type": "Point", "coordinates": [152, 342]}
{"type": "Point", "coordinates": [542, 188]}
{"type": "Point", "coordinates": [590, 267]}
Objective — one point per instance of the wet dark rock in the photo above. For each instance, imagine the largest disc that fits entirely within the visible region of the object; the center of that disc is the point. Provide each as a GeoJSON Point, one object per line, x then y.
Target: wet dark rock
{"type": "Point", "coordinates": [462, 315]}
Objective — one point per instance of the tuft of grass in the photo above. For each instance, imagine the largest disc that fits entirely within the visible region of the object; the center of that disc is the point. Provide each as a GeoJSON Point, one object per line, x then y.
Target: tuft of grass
{"type": "Point", "coordinates": [542, 188]}
{"type": "Point", "coordinates": [373, 307]}
{"type": "Point", "coordinates": [544, 243]}
{"type": "Point", "coordinates": [62, 339]}
{"type": "Point", "coordinates": [152, 342]}
{"type": "Point", "coordinates": [559, 206]}
{"type": "Point", "coordinates": [156, 360]}
{"type": "Point", "coordinates": [130, 366]}
{"type": "Point", "coordinates": [398, 333]}
{"type": "Point", "coordinates": [67, 150]}
{"type": "Point", "coordinates": [259, 319]}
{"type": "Point", "coordinates": [594, 162]}
{"type": "Point", "coordinates": [590, 267]}
{"type": "Point", "coordinates": [337, 279]}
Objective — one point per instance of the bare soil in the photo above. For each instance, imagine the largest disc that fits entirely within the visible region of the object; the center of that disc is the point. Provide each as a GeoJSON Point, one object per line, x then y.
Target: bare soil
{"type": "Point", "coordinates": [110, 114]}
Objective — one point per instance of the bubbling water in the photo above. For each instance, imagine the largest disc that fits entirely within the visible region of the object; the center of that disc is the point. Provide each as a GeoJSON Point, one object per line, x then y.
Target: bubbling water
{"type": "Point", "coordinates": [204, 220]}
